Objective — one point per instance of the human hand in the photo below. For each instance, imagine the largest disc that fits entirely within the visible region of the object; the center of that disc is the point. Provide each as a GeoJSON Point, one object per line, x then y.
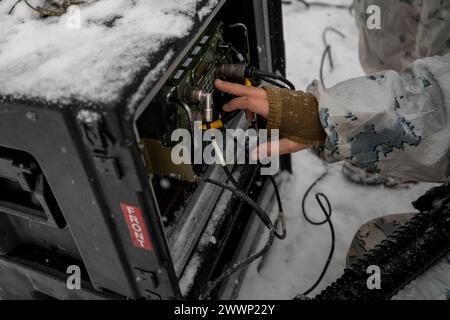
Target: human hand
{"type": "Point", "coordinates": [251, 100]}
{"type": "Point", "coordinates": [285, 146]}
{"type": "Point", "coordinates": [255, 100]}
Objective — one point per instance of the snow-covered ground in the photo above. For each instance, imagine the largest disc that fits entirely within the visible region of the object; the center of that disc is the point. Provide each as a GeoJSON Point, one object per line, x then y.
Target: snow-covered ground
{"type": "Point", "coordinates": [294, 264]}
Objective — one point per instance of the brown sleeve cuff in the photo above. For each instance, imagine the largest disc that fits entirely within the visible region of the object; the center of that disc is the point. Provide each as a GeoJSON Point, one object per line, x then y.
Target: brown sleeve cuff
{"type": "Point", "coordinates": [296, 114]}
{"type": "Point", "coordinates": [275, 108]}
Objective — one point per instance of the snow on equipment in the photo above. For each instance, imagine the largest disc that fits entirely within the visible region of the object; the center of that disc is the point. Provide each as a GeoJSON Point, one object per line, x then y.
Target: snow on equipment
{"type": "Point", "coordinates": [86, 177]}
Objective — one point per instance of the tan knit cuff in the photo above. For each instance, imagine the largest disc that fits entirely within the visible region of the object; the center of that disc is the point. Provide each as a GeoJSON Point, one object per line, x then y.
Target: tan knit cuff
{"type": "Point", "coordinates": [275, 108]}
{"type": "Point", "coordinates": [296, 114]}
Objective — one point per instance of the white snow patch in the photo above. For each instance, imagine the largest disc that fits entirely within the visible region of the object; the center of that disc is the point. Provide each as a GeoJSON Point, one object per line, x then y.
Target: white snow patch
{"type": "Point", "coordinates": [44, 59]}
{"type": "Point", "coordinates": [433, 284]}
{"type": "Point", "coordinates": [203, 12]}
{"type": "Point", "coordinates": [303, 30]}
{"type": "Point", "coordinates": [207, 238]}
{"type": "Point", "coordinates": [213, 240]}
{"type": "Point", "coordinates": [189, 274]}
{"type": "Point", "coordinates": [294, 264]}
{"type": "Point", "coordinates": [88, 116]}
{"type": "Point", "coordinates": [149, 80]}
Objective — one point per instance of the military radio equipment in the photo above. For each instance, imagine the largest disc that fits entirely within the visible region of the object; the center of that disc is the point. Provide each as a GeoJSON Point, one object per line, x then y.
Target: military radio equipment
{"type": "Point", "coordinates": [93, 184]}
{"type": "Point", "coordinates": [187, 97]}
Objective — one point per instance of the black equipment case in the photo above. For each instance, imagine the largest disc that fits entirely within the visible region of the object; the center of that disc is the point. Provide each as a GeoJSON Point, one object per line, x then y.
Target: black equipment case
{"type": "Point", "coordinates": [67, 188]}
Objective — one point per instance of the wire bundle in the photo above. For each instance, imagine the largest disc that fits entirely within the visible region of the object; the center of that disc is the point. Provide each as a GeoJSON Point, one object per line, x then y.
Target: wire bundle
{"type": "Point", "coordinates": [52, 7]}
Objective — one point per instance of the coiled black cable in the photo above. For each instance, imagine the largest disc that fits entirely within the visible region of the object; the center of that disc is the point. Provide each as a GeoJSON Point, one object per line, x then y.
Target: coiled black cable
{"type": "Point", "coordinates": [327, 211]}
{"type": "Point", "coordinates": [320, 197]}
{"type": "Point", "coordinates": [327, 52]}
{"type": "Point", "coordinates": [264, 217]}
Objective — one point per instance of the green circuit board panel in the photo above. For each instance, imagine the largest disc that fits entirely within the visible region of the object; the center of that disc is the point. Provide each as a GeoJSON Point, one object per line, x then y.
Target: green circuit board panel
{"type": "Point", "coordinates": [197, 71]}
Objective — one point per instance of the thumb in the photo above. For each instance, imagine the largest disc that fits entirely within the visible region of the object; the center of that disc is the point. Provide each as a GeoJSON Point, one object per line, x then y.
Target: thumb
{"type": "Point", "coordinates": [276, 148]}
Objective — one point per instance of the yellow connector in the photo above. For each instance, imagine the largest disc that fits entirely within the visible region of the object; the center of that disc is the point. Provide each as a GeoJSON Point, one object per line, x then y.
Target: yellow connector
{"type": "Point", "coordinates": [218, 123]}
{"type": "Point", "coordinates": [214, 125]}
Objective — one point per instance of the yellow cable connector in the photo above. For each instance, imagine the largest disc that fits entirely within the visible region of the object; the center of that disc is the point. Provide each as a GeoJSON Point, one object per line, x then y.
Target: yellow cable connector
{"type": "Point", "coordinates": [218, 123]}
{"type": "Point", "coordinates": [213, 125]}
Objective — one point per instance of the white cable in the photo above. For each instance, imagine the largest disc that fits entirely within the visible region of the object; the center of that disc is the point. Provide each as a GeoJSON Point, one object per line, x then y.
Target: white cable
{"type": "Point", "coordinates": [219, 153]}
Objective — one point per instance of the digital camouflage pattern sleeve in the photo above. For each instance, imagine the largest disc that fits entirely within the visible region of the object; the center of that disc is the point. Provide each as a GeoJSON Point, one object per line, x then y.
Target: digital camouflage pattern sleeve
{"type": "Point", "coordinates": [396, 123]}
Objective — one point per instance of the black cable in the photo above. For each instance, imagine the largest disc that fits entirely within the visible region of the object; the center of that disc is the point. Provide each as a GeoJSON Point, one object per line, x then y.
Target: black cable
{"type": "Point", "coordinates": [309, 4]}
{"type": "Point", "coordinates": [275, 83]}
{"type": "Point", "coordinates": [263, 75]}
{"type": "Point", "coordinates": [239, 56]}
{"type": "Point", "coordinates": [281, 215]}
{"type": "Point", "coordinates": [13, 7]}
{"type": "Point", "coordinates": [272, 231]}
{"type": "Point", "coordinates": [325, 42]}
{"type": "Point", "coordinates": [243, 27]}
{"type": "Point", "coordinates": [230, 177]}
{"type": "Point", "coordinates": [262, 215]}
{"type": "Point", "coordinates": [327, 212]}
{"type": "Point", "coordinates": [235, 184]}
{"type": "Point", "coordinates": [277, 194]}
{"type": "Point", "coordinates": [327, 51]}
{"type": "Point", "coordinates": [228, 116]}
{"type": "Point", "coordinates": [240, 72]}
{"type": "Point", "coordinates": [319, 196]}
{"type": "Point", "coordinates": [322, 61]}
{"type": "Point", "coordinates": [225, 168]}
{"type": "Point", "coordinates": [280, 210]}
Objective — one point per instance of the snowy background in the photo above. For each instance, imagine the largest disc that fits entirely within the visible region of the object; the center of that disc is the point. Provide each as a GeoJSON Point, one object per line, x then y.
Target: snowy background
{"type": "Point", "coordinates": [294, 264]}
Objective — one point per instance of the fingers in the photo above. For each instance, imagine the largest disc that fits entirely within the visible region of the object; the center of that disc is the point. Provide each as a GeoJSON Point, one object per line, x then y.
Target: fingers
{"type": "Point", "coordinates": [240, 90]}
{"type": "Point", "coordinates": [253, 104]}
{"type": "Point", "coordinates": [249, 115]}
{"type": "Point", "coordinates": [237, 103]}
{"type": "Point", "coordinates": [272, 148]}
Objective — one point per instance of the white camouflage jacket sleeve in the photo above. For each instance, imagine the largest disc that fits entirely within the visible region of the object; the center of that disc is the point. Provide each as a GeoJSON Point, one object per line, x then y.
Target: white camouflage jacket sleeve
{"type": "Point", "coordinates": [397, 124]}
